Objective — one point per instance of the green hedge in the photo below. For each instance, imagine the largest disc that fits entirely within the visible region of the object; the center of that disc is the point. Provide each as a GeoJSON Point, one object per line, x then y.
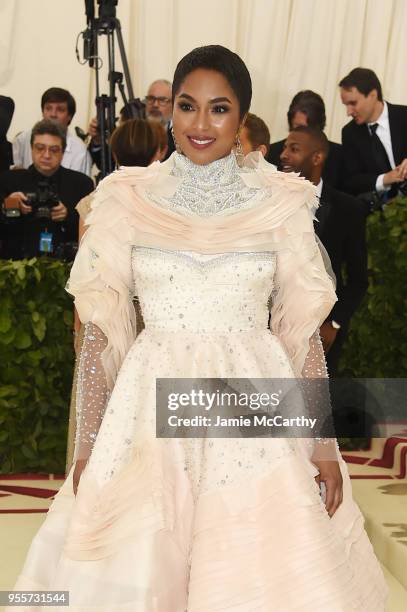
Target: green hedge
{"type": "Point", "coordinates": [36, 349]}
{"type": "Point", "coordinates": [377, 343]}
{"type": "Point", "coordinates": [36, 364]}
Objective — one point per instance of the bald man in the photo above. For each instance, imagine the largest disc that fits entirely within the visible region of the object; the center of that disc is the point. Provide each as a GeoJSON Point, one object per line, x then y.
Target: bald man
{"type": "Point", "coordinates": [158, 103]}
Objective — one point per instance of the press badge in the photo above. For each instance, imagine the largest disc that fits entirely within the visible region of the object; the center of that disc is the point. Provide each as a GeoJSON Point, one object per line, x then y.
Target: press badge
{"type": "Point", "coordinates": [46, 242]}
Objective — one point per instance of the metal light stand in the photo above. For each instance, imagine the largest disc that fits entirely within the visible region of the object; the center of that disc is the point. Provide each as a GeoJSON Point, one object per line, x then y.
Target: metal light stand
{"type": "Point", "coordinates": [106, 25]}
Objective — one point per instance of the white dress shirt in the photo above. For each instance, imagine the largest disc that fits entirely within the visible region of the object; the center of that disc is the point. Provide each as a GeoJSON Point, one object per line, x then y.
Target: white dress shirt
{"type": "Point", "coordinates": [383, 132]}
{"type": "Point", "coordinates": [76, 156]}
{"type": "Point", "coordinates": [319, 188]}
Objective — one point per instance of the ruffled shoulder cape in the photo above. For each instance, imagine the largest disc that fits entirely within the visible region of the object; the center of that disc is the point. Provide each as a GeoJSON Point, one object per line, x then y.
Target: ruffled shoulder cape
{"type": "Point", "coordinates": [123, 216]}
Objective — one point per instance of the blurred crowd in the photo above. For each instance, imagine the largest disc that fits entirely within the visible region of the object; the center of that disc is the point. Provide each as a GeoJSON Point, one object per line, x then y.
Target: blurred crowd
{"type": "Point", "coordinates": [48, 173]}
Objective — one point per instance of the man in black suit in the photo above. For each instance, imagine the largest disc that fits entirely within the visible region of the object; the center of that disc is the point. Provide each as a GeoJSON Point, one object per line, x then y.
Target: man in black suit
{"type": "Point", "coordinates": [44, 222]}
{"type": "Point", "coordinates": [340, 224]}
{"type": "Point", "coordinates": [307, 108]}
{"type": "Point", "coordinates": [375, 141]}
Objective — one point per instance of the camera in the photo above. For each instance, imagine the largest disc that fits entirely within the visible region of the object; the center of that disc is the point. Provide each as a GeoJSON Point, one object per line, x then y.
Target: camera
{"type": "Point", "coordinates": [43, 199]}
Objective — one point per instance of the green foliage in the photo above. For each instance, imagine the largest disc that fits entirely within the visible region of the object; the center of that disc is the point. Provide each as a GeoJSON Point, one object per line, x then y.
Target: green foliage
{"type": "Point", "coordinates": [377, 343]}
{"type": "Point", "coordinates": [36, 362]}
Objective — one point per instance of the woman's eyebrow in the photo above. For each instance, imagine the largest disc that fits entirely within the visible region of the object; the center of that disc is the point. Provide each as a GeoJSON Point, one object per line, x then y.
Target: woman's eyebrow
{"type": "Point", "coordinates": [187, 96]}
{"type": "Point", "coordinates": [223, 99]}
{"type": "Point", "coordinates": [213, 101]}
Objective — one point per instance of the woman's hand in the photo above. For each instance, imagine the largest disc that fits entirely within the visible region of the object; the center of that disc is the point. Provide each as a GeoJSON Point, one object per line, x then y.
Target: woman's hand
{"type": "Point", "coordinates": [330, 474]}
{"type": "Point", "coordinates": [77, 473]}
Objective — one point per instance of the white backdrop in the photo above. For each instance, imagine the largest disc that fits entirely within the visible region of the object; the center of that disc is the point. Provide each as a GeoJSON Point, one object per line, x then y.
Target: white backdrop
{"type": "Point", "coordinates": [288, 45]}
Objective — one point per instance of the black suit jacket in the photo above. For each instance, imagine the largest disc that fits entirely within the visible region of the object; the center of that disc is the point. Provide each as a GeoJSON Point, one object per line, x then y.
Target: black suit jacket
{"type": "Point", "coordinates": [333, 167]}
{"type": "Point", "coordinates": [341, 227]}
{"type": "Point", "coordinates": [6, 155]}
{"type": "Point", "coordinates": [360, 168]}
{"type": "Point", "coordinates": [20, 236]}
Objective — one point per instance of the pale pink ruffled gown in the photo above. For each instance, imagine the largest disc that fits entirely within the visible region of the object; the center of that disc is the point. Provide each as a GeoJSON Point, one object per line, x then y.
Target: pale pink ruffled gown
{"type": "Point", "coordinates": [200, 525]}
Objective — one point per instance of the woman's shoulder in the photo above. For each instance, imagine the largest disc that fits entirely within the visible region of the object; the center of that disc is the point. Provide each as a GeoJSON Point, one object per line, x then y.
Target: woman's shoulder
{"type": "Point", "coordinates": [289, 191]}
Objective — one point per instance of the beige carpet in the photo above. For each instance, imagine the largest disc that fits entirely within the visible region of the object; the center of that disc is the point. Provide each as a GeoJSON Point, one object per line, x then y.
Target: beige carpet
{"type": "Point", "coordinates": [378, 488]}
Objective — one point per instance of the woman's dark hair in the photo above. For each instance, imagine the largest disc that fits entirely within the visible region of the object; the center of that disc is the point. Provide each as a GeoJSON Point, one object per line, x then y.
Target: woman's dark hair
{"type": "Point", "coordinates": [257, 131]}
{"type": "Point", "coordinates": [134, 143]}
{"type": "Point", "coordinates": [220, 59]}
{"type": "Point", "coordinates": [312, 105]}
{"type": "Point", "coordinates": [365, 80]}
{"type": "Point", "coordinates": [57, 94]}
{"type": "Point", "coordinates": [160, 133]}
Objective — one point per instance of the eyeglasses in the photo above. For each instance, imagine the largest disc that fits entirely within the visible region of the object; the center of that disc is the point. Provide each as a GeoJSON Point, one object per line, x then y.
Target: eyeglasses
{"type": "Point", "coordinates": [162, 101]}
{"type": "Point", "coordinates": [53, 149]}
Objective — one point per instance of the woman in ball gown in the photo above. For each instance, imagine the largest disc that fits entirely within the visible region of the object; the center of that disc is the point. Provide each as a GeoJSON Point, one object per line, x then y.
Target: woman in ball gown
{"type": "Point", "coordinates": [151, 524]}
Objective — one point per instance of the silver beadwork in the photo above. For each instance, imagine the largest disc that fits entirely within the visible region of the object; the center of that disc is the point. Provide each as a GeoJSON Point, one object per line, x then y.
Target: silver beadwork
{"type": "Point", "coordinates": [212, 188]}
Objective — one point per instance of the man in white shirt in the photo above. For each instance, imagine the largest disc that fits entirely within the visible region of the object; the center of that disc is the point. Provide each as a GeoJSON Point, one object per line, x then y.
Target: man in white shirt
{"type": "Point", "coordinates": [57, 105]}
{"type": "Point", "coordinates": [375, 141]}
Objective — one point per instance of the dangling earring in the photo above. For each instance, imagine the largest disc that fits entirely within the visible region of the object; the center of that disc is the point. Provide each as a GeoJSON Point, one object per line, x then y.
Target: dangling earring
{"type": "Point", "coordinates": [177, 147]}
{"type": "Point", "coordinates": [239, 152]}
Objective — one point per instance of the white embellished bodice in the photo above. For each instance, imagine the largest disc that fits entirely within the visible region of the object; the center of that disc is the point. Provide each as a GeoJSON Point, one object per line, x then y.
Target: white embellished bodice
{"type": "Point", "coordinates": [226, 292]}
{"type": "Point", "coordinates": [181, 291]}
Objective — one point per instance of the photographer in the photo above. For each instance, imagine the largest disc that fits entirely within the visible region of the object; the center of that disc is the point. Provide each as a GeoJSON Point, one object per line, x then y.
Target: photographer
{"type": "Point", "coordinates": [38, 204]}
{"type": "Point", "coordinates": [56, 105]}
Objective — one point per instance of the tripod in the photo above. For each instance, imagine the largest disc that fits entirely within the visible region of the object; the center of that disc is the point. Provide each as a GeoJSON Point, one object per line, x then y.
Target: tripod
{"type": "Point", "coordinates": [107, 24]}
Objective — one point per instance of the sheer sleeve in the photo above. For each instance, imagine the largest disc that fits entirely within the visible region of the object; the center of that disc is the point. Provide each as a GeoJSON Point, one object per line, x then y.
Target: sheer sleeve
{"type": "Point", "coordinates": [315, 385]}
{"type": "Point", "coordinates": [92, 393]}
{"type": "Point", "coordinates": [315, 364]}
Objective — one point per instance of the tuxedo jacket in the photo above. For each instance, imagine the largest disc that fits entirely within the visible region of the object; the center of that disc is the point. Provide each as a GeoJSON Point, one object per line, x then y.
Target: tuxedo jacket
{"type": "Point", "coordinates": [341, 226]}
{"type": "Point", "coordinates": [360, 168]}
{"type": "Point", "coordinates": [333, 167]}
